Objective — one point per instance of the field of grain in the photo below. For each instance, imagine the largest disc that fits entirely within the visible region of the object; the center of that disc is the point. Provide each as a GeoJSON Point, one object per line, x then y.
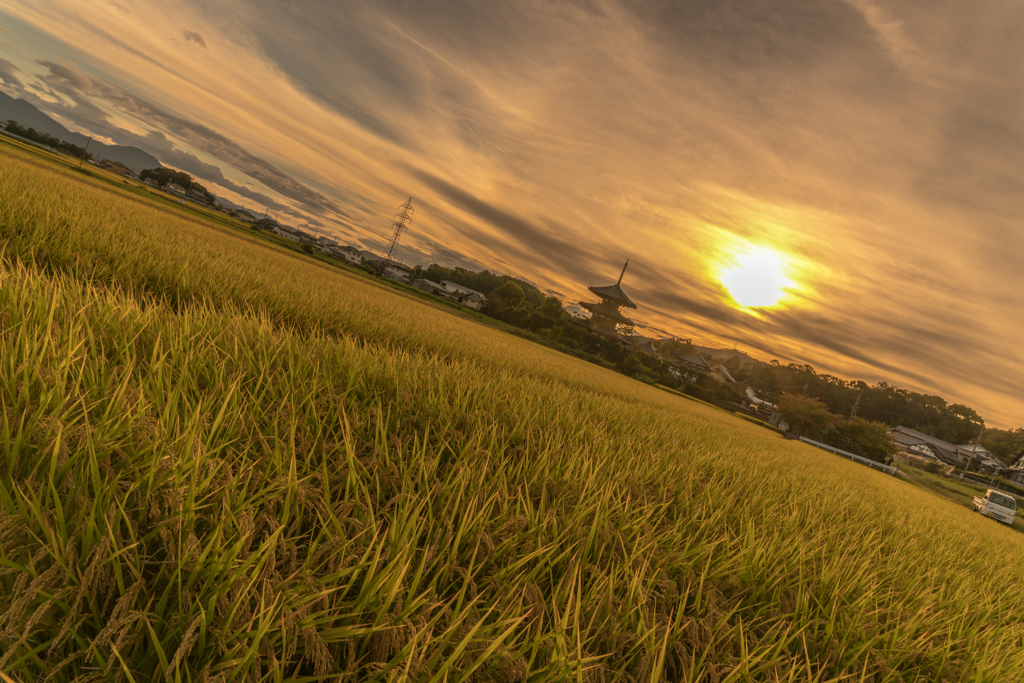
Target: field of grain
{"type": "Point", "coordinates": [220, 461]}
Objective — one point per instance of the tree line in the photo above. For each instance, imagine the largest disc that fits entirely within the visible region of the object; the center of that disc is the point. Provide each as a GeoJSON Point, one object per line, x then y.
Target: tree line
{"type": "Point", "coordinates": [882, 403]}
{"type": "Point", "coordinates": [543, 319]}
{"type": "Point", "coordinates": [851, 415]}
{"type": "Point", "coordinates": [47, 140]}
{"type": "Point", "coordinates": [162, 176]}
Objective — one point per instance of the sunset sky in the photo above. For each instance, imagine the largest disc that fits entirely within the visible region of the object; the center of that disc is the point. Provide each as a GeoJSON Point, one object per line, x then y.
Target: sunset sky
{"type": "Point", "coordinates": [864, 159]}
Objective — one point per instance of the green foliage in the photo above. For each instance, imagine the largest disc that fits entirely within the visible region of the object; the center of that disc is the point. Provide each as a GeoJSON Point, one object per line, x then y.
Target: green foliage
{"type": "Point", "coordinates": [676, 348]}
{"type": "Point", "coordinates": [47, 140]}
{"type": "Point", "coordinates": [862, 437]}
{"type": "Point", "coordinates": [1007, 445]}
{"type": "Point", "coordinates": [520, 304]}
{"type": "Point", "coordinates": [931, 467]}
{"type": "Point", "coordinates": [806, 416]}
{"type": "Point", "coordinates": [256, 468]}
{"type": "Point", "coordinates": [881, 402]}
{"type": "Point", "coordinates": [696, 391]}
{"type": "Point", "coordinates": [165, 175]}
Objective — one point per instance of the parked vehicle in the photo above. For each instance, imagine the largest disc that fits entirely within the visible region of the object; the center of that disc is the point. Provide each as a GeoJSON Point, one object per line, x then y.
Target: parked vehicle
{"type": "Point", "coordinates": [996, 505]}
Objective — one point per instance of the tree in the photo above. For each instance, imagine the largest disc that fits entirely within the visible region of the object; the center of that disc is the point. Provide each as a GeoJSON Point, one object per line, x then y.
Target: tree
{"type": "Point", "coordinates": [676, 348]}
{"type": "Point", "coordinates": [508, 296]}
{"type": "Point", "coordinates": [862, 437]}
{"type": "Point", "coordinates": [804, 414]}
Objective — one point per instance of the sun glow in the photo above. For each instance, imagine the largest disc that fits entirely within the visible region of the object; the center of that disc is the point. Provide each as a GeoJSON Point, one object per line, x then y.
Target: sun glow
{"type": "Point", "coordinates": [757, 279]}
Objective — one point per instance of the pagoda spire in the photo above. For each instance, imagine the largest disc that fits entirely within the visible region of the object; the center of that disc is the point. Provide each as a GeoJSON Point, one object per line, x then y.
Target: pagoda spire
{"type": "Point", "coordinates": [622, 273]}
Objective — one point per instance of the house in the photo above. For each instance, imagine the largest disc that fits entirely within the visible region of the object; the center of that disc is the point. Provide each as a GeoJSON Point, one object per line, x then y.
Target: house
{"type": "Point", "coordinates": [245, 215]}
{"type": "Point", "coordinates": [266, 223]}
{"type": "Point", "coordinates": [645, 345]}
{"type": "Point", "coordinates": [151, 182]}
{"type": "Point", "coordinates": [458, 294]}
{"type": "Point", "coordinates": [1015, 472]}
{"type": "Point", "coordinates": [470, 298]}
{"type": "Point", "coordinates": [370, 258]}
{"type": "Point", "coordinates": [397, 271]}
{"type": "Point", "coordinates": [759, 403]}
{"type": "Point", "coordinates": [929, 447]}
{"type": "Point", "coordinates": [978, 452]}
{"type": "Point", "coordinates": [285, 232]}
{"type": "Point", "coordinates": [198, 197]}
{"type": "Point", "coordinates": [722, 374]}
{"type": "Point", "coordinates": [430, 287]}
{"type": "Point", "coordinates": [174, 188]}
{"type": "Point", "coordinates": [350, 254]}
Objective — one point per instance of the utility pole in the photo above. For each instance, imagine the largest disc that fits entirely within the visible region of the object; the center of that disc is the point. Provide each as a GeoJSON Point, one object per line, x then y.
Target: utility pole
{"type": "Point", "coordinates": [977, 440]}
{"type": "Point", "coordinates": [402, 220]}
{"type": "Point", "coordinates": [853, 413]}
{"type": "Point", "coordinates": [85, 152]}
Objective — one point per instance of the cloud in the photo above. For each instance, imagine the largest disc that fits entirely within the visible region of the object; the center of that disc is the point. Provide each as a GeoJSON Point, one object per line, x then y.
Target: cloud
{"type": "Point", "coordinates": [194, 37]}
{"type": "Point", "coordinates": [8, 75]}
{"type": "Point", "coordinates": [536, 241]}
{"type": "Point", "coordinates": [876, 146]}
{"type": "Point", "coordinates": [891, 35]}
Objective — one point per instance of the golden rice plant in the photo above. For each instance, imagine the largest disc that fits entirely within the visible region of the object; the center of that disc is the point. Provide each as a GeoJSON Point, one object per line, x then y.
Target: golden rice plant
{"type": "Point", "coordinates": [220, 461]}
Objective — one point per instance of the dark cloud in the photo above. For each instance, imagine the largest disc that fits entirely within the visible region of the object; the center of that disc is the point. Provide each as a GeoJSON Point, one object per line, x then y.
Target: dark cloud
{"type": "Point", "coordinates": [82, 88]}
{"type": "Point", "coordinates": [8, 75]}
{"type": "Point", "coordinates": [194, 37]}
{"type": "Point", "coordinates": [876, 145]}
{"type": "Point", "coordinates": [540, 242]}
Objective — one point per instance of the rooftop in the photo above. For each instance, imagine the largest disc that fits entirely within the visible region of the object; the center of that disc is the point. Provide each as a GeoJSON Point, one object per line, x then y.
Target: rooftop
{"type": "Point", "coordinates": [613, 292]}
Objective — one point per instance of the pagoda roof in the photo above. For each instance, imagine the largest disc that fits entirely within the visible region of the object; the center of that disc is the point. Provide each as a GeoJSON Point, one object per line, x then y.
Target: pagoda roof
{"type": "Point", "coordinates": [606, 312]}
{"type": "Point", "coordinates": [613, 292]}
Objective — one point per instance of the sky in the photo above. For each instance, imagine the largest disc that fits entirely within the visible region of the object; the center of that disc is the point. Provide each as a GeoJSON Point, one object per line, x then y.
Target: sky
{"type": "Point", "coordinates": [868, 154]}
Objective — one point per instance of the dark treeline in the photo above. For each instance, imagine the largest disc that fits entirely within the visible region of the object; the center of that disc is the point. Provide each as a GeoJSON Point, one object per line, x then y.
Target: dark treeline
{"type": "Point", "coordinates": [47, 140]}
{"type": "Point", "coordinates": [168, 175]}
{"type": "Point", "coordinates": [520, 304]}
{"type": "Point", "coordinates": [881, 402]}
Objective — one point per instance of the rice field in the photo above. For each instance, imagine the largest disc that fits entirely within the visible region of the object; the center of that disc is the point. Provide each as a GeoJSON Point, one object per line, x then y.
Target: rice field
{"type": "Point", "coordinates": [221, 461]}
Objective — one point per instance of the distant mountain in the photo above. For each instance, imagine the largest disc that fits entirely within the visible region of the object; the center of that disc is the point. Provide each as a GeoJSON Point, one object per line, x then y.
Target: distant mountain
{"type": "Point", "coordinates": [28, 116]}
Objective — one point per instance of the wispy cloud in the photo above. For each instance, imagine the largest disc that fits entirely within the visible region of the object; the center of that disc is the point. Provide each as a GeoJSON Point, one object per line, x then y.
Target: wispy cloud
{"type": "Point", "coordinates": [194, 37]}
{"type": "Point", "coordinates": [877, 146]}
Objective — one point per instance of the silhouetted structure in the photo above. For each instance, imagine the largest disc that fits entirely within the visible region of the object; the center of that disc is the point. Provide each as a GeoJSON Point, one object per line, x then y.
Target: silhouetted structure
{"type": "Point", "coordinates": [605, 315]}
{"type": "Point", "coordinates": [402, 220]}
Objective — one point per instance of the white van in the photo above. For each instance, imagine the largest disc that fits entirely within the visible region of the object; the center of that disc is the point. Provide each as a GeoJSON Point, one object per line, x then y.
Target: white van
{"type": "Point", "coordinates": [996, 505]}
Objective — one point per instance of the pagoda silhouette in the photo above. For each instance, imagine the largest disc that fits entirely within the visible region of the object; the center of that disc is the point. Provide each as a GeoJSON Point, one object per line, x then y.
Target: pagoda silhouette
{"type": "Point", "coordinates": [605, 315]}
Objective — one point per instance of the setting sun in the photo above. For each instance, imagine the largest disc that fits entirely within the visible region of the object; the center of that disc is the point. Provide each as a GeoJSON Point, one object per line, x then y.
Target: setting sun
{"type": "Point", "coordinates": [757, 280]}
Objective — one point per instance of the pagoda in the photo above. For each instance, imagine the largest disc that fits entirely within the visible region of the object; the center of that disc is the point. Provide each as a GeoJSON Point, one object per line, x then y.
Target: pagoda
{"type": "Point", "coordinates": [605, 314]}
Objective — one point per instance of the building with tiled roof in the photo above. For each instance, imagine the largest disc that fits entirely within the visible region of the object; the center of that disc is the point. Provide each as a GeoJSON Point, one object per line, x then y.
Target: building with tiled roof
{"type": "Point", "coordinates": [604, 314]}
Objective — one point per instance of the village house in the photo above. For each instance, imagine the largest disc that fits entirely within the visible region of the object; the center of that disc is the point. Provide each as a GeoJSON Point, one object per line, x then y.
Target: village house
{"type": "Point", "coordinates": [464, 296]}
{"type": "Point", "coordinates": [397, 271]}
{"type": "Point", "coordinates": [289, 234]}
{"type": "Point", "coordinates": [916, 444]}
{"type": "Point", "coordinates": [174, 188]}
{"type": "Point", "coordinates": [1015, 472]}
{"type": "Point", "coordinates": [369, 258]}
{"type": "Point", "coordinates": [150, 182]}
{"type": "Point", "coordinates": [350, 254]}
{"type": "Point", "coordinates": [470, 298]}
{"type": "Point", "coordinates": [245, 215]}
{"type": "Point", "coordinates": [430, 287]}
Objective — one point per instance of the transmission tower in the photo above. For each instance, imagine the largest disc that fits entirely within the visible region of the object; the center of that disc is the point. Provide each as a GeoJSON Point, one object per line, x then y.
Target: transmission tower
{"type": "Point", "coordinates": [402, 220]}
